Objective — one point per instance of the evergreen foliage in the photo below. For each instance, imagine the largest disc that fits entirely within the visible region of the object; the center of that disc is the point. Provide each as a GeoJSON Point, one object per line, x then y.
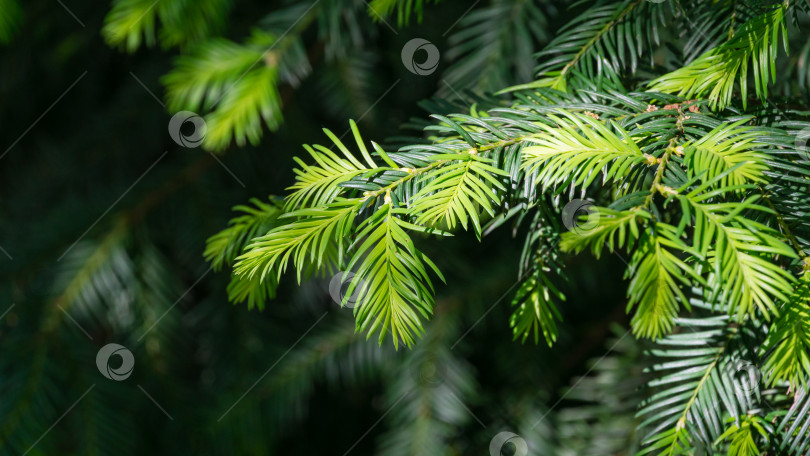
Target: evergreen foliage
{"type": "Point", "coordinates": [683, 185]}
{"type": "Point", "coordinates": [638, 112]}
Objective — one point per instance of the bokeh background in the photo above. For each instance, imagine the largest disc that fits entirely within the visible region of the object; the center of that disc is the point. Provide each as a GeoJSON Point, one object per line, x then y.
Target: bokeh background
{"type": "Point", "coordinates": [104, 223]}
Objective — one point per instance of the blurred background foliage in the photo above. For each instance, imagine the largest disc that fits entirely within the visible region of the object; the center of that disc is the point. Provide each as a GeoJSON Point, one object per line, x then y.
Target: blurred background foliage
{"type": "Point", "coordinates": [105, 220]}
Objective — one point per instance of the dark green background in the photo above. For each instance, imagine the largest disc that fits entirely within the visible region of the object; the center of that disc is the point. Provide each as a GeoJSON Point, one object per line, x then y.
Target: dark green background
{"type": "Point", "coordinates": [88, 148]}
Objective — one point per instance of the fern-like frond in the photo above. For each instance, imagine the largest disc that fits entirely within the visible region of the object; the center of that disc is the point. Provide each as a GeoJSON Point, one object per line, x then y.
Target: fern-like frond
{"type": "Point", "coordinates": [186, 23]}
{"type": "Point", "coordinates": [605, 227]}
{"type": "Point", "coordinates": [315, 237]}
{"type": "Point", "coordinates": [715, 73]}
{"type": "Point", "coordinates": [500, 162]}
{"type": "Point", "coordinates": [657, 276]}
{"type": "Point", "coordinates": [794, 425]}
{"type": "Point", "coordinates": [244, 109]}
{"type": "Point", "coordinates": [730, 151]}
{"type": "Point", "coordinates": [740, 253]}
{"type": "Point", "coordinates": [222, 248]}
{"type": "Point", "coordinates": [535, 310]}
{"type": "Point", "coordinates": [788, 342]}
{"type": "Point", "coordinates": [672, 442]}
{"type": "Point", "coordinates": [200, 79]}
{"type": "Point", "coordinates": [392, 279]}
{"type": "Point", "coordinates": [599, 44]}
{"type": "Point", "coordinates": [541, 271]}
{"type": "Point", "coordinates": [453, 193]}
{"type": "Point", "coordinates": [131, 23]}
{"type": "Point", "coordinates": [696, 385]}
{"type": "Point", "coordinates": [317, 185]}
{"type": "Point", "coordinates": [742, 437]}
{"type": "Point", "coordinates": [235, 86]}
{"type": "Point", "coordinates": [577, 148]}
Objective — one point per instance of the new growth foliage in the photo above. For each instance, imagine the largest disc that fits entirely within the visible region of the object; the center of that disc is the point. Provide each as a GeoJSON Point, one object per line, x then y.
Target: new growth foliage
{"type": "Point", "coordinates": [687, 176]}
